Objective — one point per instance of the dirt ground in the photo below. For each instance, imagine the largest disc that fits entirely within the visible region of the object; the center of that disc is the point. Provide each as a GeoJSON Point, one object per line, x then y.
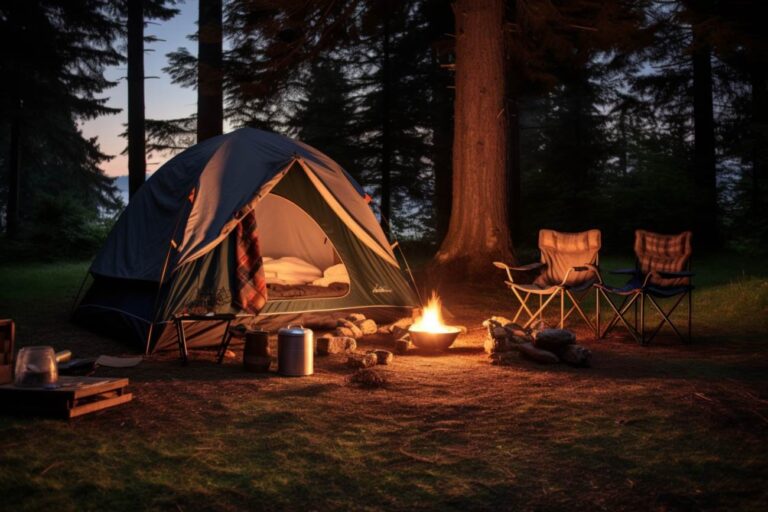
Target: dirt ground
{"type": "Point", "coordinates": [665, 427]}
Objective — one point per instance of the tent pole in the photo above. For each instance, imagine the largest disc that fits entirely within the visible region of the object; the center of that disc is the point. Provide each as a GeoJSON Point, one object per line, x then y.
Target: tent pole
{"type": "Point", "coordinates": [171, 246]}
{"type": "Point", "coordinates": [405, 260]}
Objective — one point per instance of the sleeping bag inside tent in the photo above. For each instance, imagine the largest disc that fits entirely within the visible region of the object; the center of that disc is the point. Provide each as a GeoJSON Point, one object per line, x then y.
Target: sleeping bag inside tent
{"type": "Point", "coordinates": [246, 222]}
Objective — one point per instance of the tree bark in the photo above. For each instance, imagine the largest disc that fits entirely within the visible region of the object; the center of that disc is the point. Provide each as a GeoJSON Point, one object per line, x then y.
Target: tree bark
{"type": "Point", "coordinates": [137, 163]}
{"type": "Point", "coordinates": [210, 76]}
{"type": "Point", "coordinates": [386, 128]}
{"type": "Point", "coordinates": [704, 144]}
{"type": "Point", "coordinates": [478, 232]}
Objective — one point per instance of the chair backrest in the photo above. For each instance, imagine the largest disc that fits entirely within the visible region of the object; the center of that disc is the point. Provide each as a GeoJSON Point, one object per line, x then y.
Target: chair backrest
{"type": "Point", "coordinates": [663, 253]}
{"type": "Point", "coordinates": [562, 251]}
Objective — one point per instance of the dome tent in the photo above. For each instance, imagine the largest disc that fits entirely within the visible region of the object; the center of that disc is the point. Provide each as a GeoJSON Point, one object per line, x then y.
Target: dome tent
{"type": "Point", "coordinates": [173, 244]}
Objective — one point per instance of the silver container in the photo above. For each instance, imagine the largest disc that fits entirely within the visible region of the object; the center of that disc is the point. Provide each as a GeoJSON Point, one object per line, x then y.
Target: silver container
{"type": "Point", "coordinates": [295, 351]}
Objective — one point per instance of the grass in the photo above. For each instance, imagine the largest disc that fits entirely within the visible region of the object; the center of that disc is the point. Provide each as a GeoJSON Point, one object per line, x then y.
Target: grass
{"type": "Point", "coordinates": [666, 427]}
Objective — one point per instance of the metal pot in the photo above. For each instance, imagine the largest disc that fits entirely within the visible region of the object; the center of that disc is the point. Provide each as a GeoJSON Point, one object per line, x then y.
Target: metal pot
{"type": "Point", "coordinates": [295, 351]}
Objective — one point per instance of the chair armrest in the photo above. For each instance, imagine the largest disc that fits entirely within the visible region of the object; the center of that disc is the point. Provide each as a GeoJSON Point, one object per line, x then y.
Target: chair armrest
{"type": "Point", "coordinates": [625, 271]}
{"type": "Point", "coordinates": [525, 268]}
{"type": "Point", "coordinates": [529, 267]}
{"type": "Point", "coordinates": [587, 267]}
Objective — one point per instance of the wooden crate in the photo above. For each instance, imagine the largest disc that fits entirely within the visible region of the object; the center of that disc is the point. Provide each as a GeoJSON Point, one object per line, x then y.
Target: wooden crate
{"type": "Point", "coordinates": [74, 397]}
{"type": "Point", "coordinates": [7, 338]}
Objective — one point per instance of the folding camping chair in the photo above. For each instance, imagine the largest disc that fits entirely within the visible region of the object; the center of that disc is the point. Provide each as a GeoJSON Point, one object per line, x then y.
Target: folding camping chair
{"type": "Point", "coordinates": [568, 268]}
{"type": "Point", "coordinates": [662, 271]}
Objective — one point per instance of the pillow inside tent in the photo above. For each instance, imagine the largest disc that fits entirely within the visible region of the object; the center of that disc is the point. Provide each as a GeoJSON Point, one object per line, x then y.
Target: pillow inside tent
{"type": "Point", "coordinates": [333, 274]}
{"type": "Point", "coordinates": [290, 270]}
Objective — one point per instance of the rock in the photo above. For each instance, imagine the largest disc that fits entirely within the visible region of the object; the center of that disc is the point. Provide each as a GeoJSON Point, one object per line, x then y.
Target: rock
{"type": "Point", "coordinates": [576, 355]}
{"type": "Point", "coordinates": [384, 330]}
{"type": "Point", "coordinates": [504, 358]}
{"type": "Point", "coordinates": [368, 378]}
{"type": "Point", "coordinates": [362, 360]}
{"type": "Point", "coordinates": [356, 317]}
{"type": "Point", "coordinates": [403, 323]}
{"type": "Point", "coordinates": [554, 340]}
{"type": "Point", "coordinates": [383, 356]}
{"type": "Point", "coordinates": [402, 345]}
{"type": "Point", "coordinates": [528, 351]}
{"type": "Point", "coordinates": [366, 326]}
{"type": "Point", "coordinates": [489, 345]}
{"type": "Point", "coordinates": [327, 345]}
{"type": "Point", "coordinates": [398, 332]}
{"type": "Point", "coordinates": [356, 332]}
{"type": "Point", "coordinates": [344, 332]}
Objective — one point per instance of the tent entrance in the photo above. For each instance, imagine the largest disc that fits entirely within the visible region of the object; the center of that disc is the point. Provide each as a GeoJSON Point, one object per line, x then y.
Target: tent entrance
{"type": "Point", "coordinates": [299, 258]}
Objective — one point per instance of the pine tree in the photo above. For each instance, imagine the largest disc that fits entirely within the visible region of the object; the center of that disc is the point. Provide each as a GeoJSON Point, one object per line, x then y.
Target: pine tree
{"type": "Point", "coordinates": [52, 55]}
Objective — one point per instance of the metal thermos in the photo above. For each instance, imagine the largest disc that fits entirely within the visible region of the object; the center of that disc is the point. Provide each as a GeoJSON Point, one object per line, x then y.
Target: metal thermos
{"type": "Point", "coordinates": [295, 351]}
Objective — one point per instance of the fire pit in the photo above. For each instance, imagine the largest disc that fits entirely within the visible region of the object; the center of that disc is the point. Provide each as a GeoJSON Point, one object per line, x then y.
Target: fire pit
{"type": "Point", "coordinates": [429, 332]}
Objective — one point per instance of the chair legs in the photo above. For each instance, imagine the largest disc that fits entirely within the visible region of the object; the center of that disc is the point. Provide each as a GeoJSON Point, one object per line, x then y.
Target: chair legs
{"type": "Point", "coordinates": [666, 318]}
{"type": "Point", "coordinates": [637, 302]}
{"type": "Point", "coordinates": [561, 294]}
{"type": "Point", "coordinates": [630, 301]}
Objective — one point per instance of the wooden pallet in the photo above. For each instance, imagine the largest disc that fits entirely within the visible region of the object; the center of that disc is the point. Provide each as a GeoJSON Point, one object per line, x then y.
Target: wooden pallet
{"type": "Point", "coordinates": [74, 397]}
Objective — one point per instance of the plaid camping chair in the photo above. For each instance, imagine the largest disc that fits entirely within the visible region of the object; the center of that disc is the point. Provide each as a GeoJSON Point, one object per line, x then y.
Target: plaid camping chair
{"type": "Point", "coordinates": [662, 271]}
{"type": "Point", "coordinates": [568, 269]}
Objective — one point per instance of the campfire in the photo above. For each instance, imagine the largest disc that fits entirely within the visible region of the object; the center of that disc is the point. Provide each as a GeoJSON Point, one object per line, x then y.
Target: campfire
{"type": "Point", "coordinates": [429, 331]}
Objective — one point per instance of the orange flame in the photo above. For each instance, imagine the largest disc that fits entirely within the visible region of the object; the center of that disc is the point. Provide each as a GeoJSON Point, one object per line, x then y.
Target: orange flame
{"type": "Point", "coordinates": [431, 319]}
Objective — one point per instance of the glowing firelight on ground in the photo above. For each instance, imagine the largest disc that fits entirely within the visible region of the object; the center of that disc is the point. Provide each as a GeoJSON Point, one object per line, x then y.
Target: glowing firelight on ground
{"type": "Point", "coordinates": [431, 319]}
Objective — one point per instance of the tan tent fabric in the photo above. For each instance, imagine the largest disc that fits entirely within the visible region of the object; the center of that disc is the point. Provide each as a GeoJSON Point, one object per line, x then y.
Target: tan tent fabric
{"type": "Point", "coordinates": [562, 251]}
{"type": "Point", "coordinates": [663, 253]}
{"type": "Point", "coordinates": [288, 230]}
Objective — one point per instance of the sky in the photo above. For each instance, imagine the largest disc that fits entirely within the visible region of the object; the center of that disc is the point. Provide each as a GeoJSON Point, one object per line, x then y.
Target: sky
{"type": "Point", "coordinates": [162, 99]}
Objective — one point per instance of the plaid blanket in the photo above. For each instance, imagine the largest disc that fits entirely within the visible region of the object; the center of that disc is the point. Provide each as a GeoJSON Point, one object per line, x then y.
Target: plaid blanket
{"type": "Point", "coordinates": [251, 283]}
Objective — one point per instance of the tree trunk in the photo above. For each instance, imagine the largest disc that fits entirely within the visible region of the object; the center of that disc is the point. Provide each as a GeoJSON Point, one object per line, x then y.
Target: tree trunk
{"type": "Point", "coordinates": [704, 145]}
{"type": "Point", "coordinates": [478, 232]}
{"type": "Point", "coordinates": [386, 129]}
{"type": "Point", "coordinates": [210, 76]}
{"type": "Point", "coordinates": [137, 163]}
{"type": "Point", "coordinates": [14, 168]}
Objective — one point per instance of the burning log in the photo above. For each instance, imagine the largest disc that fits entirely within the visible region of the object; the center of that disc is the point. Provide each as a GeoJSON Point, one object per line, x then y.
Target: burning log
{"type": "Point", "coordinates": [429, 332]}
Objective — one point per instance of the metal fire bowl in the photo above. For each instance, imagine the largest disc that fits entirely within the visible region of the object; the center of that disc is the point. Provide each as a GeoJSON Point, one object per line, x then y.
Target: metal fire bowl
{"type": "Point", "coordinates": [434, 340]}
